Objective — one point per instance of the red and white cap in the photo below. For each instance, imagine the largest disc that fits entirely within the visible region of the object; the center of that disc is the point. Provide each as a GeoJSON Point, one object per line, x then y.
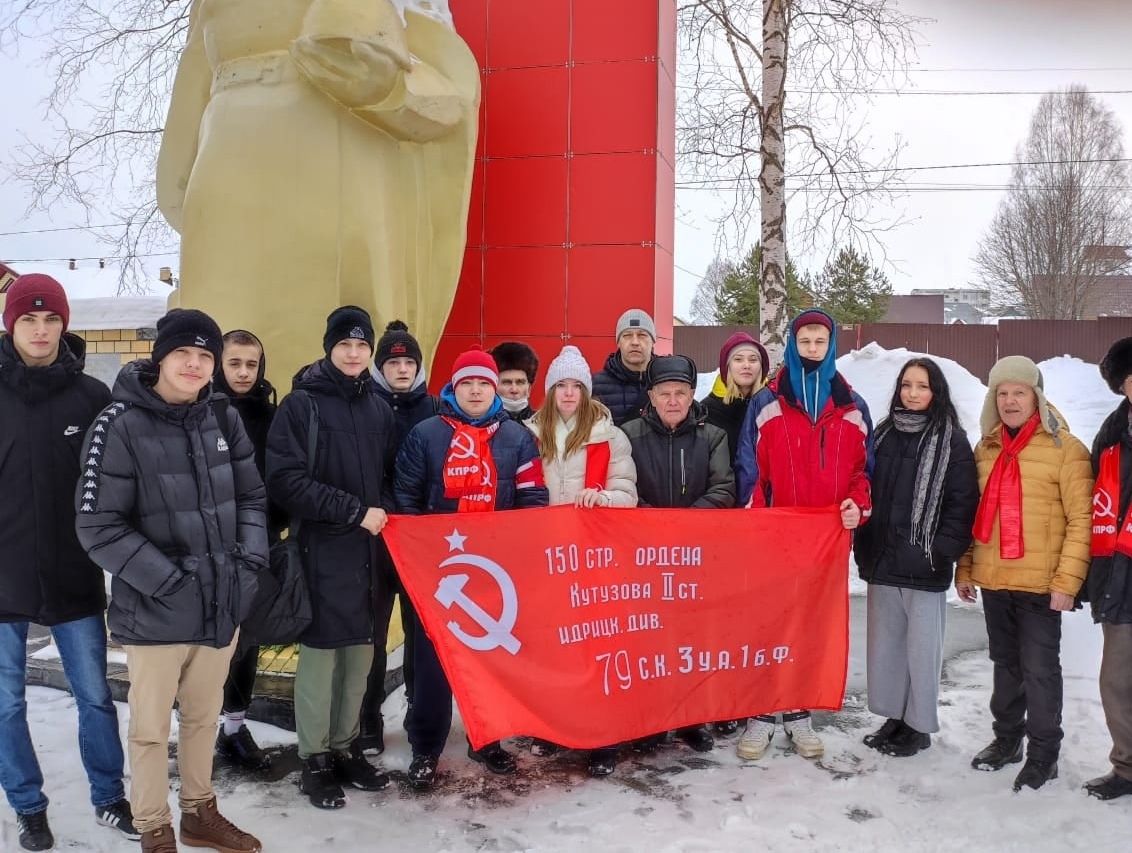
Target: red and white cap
{"type": "Point", "coordinates": [475, 364]}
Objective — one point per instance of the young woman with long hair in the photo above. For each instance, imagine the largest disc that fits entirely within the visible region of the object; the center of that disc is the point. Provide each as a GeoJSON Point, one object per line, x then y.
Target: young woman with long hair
{"type": "Point", "coordinates": [925, 494]}
{"type": "Point", "coordinates": [586, 461]}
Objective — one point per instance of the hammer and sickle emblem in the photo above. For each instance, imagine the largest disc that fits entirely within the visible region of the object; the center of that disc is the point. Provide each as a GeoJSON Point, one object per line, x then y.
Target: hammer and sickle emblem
{"type": "Point", "coordinates": [497, 632]}
{"type": "Point", "coordinates": [463, 447]}
{"type": "Point", "coordinates": [1102, 505]}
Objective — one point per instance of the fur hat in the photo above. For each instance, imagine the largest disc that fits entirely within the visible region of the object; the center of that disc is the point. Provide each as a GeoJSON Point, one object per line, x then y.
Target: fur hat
{"type": "Point", "coordinates": [347, 322]}
{"type": "Point", "coordinates": [1116, 366]}
{"type": "Point", "coordinates": [475, 364]}
{"type": "Point", "coordinates": [737, 340]}
{"type": "Point", "coordinates": [569, 364]}
{"type": "Point", "coordinates": [1015, 368]}
{"type": "Point", "coordinates": [187, 327]}
{"type": "Point", "coordinates": [636, 318]}
{"type": "Point", "coordinates": [514, 355]}
{"type": "Point", "coordinates": [396, 342]}
{"type": "Point", "coordinates": [35, 292]}
{"type": "Point", "coordinates": [671, 368]}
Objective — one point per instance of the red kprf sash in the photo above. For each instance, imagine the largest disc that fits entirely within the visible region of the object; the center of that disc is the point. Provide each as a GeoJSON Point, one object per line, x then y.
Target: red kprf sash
{"type": "Point", "coordinates": [1106, 497]}
{"type": "Point", "coordinates": [597, 465]}
{"type": "Point", "coordinates": [469, 469]}
{"type": "Point", "coordinates": [1003, 495]}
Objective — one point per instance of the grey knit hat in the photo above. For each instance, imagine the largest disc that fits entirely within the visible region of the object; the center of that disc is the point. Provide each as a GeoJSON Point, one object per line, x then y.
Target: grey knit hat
{"type": "Point", "coordinates": [636, 318]}
{"type": "Point", "coordinates": [569, 364]}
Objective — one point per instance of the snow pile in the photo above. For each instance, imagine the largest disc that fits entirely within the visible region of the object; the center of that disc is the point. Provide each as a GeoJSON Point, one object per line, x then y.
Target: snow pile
{"type": "Point", "coordinates": [116, 312]}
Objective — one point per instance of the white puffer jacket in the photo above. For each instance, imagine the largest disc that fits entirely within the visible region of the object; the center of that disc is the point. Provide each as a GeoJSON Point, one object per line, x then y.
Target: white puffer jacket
{"type": "Point", "coordinates": [565, 478]}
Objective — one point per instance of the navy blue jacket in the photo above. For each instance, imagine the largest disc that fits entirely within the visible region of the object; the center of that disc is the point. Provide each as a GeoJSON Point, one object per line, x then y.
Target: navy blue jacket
{"type": "Point", "coordinates": [419, 479]}
{"type": "Point", "coordinates": [356, 438]}
{"type": "Point", "coordinates": [622, 390]}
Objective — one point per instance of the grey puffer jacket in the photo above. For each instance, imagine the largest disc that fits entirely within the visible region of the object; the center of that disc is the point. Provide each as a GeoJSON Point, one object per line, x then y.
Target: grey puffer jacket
{"type": "Point", "coordinates": [173, 507]}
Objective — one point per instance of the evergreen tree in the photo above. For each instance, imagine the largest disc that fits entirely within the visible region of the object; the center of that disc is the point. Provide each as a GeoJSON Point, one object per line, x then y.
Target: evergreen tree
{"type": "Point", "coordinates": [851, 290]}
{"type": "Point", "coordinates": [737, 298]}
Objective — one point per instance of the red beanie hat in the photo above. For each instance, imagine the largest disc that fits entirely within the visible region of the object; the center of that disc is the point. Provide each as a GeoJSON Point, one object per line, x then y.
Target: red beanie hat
{"type": "Point", "coordinates": [737, 340]}
{"type": "Point", "coordinates": [475, 364]}
{"type": "Point", "coordinates": [35, 292]}
{"type": "Point", "coordinates": [812, 317]}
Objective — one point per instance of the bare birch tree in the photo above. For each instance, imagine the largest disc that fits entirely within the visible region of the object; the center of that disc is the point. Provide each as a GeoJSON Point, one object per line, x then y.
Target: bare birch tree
{"type": "Point", "coordinates": [111, 65]}
{"type": "Point", "coordinates": [772, 78]}
{"type": "Point", "coordinates": [1050, 244]}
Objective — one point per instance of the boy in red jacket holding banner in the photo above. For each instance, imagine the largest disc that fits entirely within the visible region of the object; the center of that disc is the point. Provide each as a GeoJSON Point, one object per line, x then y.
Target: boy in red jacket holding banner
{"type": "Point", "coordinates": [806, 441]}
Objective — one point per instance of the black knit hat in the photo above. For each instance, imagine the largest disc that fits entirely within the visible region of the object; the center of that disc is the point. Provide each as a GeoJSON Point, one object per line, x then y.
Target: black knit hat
{"type": "Point", "coordinates": [1116, 366]}
{"type": "Point", "coordinates": [515, 355]}
{"type": "Point", "coordinates": [347, 322]}
{"type": "Point", "coordinates": [187, 327]}
{"type": "Point", "coordinates": [397, 343]}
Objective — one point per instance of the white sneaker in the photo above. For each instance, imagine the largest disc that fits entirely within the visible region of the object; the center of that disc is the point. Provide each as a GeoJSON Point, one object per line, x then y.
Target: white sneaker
{"type": "Point", "coordinates": [806, 741]}
{"type": "Point", "coordinates": [755, 739]}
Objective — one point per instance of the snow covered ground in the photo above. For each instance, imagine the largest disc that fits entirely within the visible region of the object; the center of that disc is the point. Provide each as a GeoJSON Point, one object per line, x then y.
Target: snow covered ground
{"type": "Point", "coordinates": [677, 801]}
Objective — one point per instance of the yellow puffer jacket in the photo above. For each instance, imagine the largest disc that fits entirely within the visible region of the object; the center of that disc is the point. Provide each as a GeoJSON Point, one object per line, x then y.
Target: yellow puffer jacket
{"type": "Point", "coordinates": [1057, 507]}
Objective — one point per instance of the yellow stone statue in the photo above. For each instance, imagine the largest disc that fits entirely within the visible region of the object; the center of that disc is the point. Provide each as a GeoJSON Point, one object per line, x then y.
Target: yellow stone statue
{"type": "Point", "coordinates": [319, 153]}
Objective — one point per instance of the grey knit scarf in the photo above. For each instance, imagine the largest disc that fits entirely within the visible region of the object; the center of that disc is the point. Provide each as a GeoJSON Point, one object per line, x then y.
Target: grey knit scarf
{"type": "Point", "coordinates": [932, 458]}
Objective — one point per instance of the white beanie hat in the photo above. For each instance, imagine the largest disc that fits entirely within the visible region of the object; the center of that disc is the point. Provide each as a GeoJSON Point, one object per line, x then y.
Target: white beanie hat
{"type": "Point", "coordinates": [569, 364]}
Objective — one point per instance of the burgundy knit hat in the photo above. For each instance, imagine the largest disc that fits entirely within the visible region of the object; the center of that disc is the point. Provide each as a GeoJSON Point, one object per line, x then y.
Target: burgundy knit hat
{"type": "Point", "coordinates": [811, 318]}
{"type": "Point", "coordinates": [35, 292]}
{"type": "Point", "coordinates": [475, 364]}
{"type": "Point", "coordinates": [737, 340]}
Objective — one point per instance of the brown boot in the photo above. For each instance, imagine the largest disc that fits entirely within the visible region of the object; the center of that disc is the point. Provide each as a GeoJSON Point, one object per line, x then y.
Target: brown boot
{"type": "Point", "coordinates": [209, 828]}
{"type": "Point", "coordinates": [160, 840]}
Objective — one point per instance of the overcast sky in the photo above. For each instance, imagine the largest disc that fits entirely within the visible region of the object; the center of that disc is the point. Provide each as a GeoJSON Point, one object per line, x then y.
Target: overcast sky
{"type": "Point", "coordinates": [972, 46]}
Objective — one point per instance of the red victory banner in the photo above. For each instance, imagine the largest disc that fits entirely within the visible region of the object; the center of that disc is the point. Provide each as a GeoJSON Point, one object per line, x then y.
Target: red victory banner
{"type": "Point", "coordinates": [591, 627]}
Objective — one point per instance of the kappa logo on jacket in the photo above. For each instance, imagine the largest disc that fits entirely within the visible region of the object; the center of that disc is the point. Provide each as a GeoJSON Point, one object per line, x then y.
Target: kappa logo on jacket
{"type": "Point", "coordinates": [221, 444]}
{"type": "Point", "coordinates": [92, 464]}
{"type": "Point", "coordinates": [71, 430]}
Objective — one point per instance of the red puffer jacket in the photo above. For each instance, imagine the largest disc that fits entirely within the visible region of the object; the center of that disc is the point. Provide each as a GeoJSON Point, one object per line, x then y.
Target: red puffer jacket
{"type": "Point", "coordinates": [799, 463]}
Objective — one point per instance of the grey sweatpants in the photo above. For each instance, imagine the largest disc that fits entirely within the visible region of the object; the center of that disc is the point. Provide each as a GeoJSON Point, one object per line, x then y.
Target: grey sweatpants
{"type": "Point", "coordinates": [905, 654]}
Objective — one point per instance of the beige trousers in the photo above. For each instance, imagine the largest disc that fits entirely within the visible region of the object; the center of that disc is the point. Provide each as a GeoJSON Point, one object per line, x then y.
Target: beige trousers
{"type": "Point", "coordinates": [193, 676]}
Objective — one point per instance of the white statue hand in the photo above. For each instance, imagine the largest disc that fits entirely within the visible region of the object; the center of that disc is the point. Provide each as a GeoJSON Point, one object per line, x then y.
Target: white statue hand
{"type": "Point", "coordinates": [357, 73]}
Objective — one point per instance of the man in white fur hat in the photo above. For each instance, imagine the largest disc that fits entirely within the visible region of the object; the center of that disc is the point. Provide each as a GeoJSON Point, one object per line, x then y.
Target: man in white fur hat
{"type": "Point", "coordinates": [1030, 556]}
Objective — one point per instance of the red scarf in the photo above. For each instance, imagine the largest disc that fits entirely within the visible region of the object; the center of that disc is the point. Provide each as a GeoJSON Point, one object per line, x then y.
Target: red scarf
{"type": "Point", "coordinates": [469, 468]}
{"type": "Point", "coordinates": [1106, 498]}
{"type": "Point", "coordinates": [1003, 495]}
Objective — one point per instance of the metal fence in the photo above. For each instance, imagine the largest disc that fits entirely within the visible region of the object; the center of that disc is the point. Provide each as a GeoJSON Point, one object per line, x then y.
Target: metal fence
{"type": "Point", "coordinates": [977, 348]}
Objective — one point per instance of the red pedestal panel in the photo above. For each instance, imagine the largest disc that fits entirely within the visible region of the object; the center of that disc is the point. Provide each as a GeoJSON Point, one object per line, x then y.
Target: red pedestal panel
{"type": "Point", "coordinates": [572, 216]}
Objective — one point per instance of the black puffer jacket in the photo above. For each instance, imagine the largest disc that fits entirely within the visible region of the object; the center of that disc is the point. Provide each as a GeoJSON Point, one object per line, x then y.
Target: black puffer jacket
{"type": "Point", "coordinates": [728, 417]}
{"type": "Point", "coordinates": [883, 549]}
{"type": "Point", "coordinates": [684, 467]}
{"type": "Point", "coordinates": [621, 390]}
{"type": "Point", "coordinates": [175, 511]}
{"type": "Point", "coordinates": [1108, 586]}
{"type": "Point", "coordinates": [257, 411]}
{"type": "Point", "coordinates": [352, 470]}
{"type": "Point", "coordinates": [409, 407]}
{"type": "Point", "coordinates": [419, 483]}
{"type": "Point", "coordinates": [45, 575]}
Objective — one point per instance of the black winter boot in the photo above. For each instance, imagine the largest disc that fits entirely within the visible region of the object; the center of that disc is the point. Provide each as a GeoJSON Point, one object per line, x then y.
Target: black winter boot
{"type": "Point", "coordinates": [351, 768]}
{"type": "Point", "coordinates": [891, 727]}
{"type": "Point", "coordinates": [1109, 787]}
{"type": "Point", "coordinates": [422, 772]}
{"type": "Point", "coordinates": [697, 737]}
{"type": "Point", "coordinates": [905, 743]}
{"type": "Point", "coordinates": [1035, 773]}
{"type": "Point", "coordinates": [372, 736]}
{"type": "Point", "coordinates": [998, 753]}
{"type": "Point", "coordinates": [320, 785]}
{"type": "Point", "coordinates": [603, 762]}
{"type": "Point", "coordinates": [494, 757]}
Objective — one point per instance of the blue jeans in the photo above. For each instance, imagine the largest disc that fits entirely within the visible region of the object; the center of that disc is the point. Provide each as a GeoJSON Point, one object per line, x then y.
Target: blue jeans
{"type": "Point", "coordinates": [82, 647]}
